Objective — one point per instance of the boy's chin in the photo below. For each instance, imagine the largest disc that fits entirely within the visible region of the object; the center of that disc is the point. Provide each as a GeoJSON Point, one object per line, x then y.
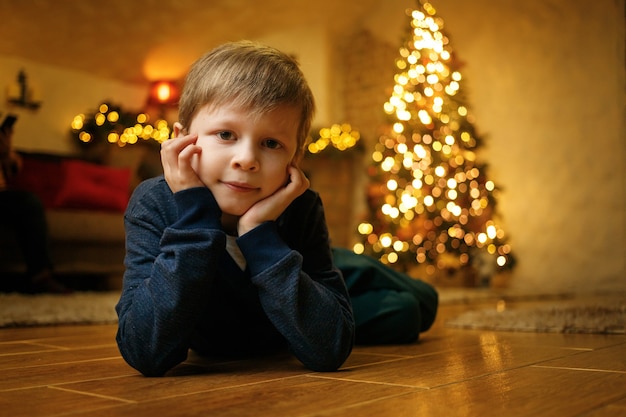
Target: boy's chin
{"type": "Point", "coordinates": [234, 212]}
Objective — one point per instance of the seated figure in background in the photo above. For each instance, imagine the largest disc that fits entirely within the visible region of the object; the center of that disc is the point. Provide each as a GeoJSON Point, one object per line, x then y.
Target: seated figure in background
{"type": "Point", "coordinates": [24, 213]}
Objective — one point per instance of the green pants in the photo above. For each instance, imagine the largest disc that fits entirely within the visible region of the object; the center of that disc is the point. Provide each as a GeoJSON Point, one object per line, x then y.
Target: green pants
{"type": "Point", "coordinates": [389, 307]}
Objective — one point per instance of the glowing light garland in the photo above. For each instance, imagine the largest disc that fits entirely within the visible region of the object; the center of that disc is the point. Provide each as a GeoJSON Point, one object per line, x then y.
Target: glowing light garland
{"type": "Point", "coordinates": [116, 126]}
{"type": "Point", "coordinates": [338, 136]}
{"type": "Point", "coordinates": [434, 204]}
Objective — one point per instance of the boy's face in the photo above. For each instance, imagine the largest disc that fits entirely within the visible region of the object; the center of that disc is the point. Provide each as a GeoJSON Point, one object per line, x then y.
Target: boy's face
{"type": "Point", "coordinates": [244, 158]}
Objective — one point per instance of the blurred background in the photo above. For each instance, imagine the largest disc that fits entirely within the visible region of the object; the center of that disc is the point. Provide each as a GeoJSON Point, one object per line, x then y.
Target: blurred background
{"type": "Point", "coordinates": [543, 79]}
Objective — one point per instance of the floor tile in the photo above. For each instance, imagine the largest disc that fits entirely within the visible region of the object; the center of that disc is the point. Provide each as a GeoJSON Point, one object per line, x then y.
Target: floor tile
{"type": "Point", "coordinates": [49, 402]}
{"type": "Point", "coordinates": [524, 392]}
{"type": "Point", "coordinates": [605, 359]}
{"type": "Point", "coordinates": [190, 378]}
{"type": "Point", "coordinates": [293, 397]}
{"type": "Point", "coordinates": [443, 368]}
{"type": "Point", "coordinates": [37, 376]}
{"type": "Point", "coordinates": [56, 356]}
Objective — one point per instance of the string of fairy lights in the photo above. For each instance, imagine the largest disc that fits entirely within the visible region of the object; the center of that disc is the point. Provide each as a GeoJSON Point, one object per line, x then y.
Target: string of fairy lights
{"type": "Point", "coordinates": [112, 124]}
{"type": "Point", "coordinates": [338, 136]}
{"type": "Point", "coordinates": [435, 205]}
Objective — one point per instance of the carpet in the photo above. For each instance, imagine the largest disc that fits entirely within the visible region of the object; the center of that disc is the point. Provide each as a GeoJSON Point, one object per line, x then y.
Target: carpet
{"type": "Point", "coordinates": [47, 309]}
{"type": "Point", "coordinates": [563, 314]}
{"type": "Point", "coordinates": [605, 317]}
{"type": "Point", "coordinates": [98, 307]}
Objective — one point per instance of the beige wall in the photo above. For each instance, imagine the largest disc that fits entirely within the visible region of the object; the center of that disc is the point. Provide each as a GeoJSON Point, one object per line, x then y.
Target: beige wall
{"type": "Point", "coordinates": [63, 94]}
{"type": "Point", "coordinates": [545, 80]}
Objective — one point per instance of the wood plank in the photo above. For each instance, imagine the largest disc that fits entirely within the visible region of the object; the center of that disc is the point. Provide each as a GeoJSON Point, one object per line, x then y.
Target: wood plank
{"type": "Point", "coordinates": [44, 401]}
{"type": "Point", "coordinates": [443, 368]}
{"type": "Point", "coordinates": [610, 359]}
{"type": "Point", "coordinates": [57, 356]}
{"type": "Point", "coordinates": [537, 392]}
{"type": "Point", "coordinates": [38, 376]}
{"type": "Point", "coordinates": [198, 375]}
{"type": "Point", "coordinates": [296, 396]}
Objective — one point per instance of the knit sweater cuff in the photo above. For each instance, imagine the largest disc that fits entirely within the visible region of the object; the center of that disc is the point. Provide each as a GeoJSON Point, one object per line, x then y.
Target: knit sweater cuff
{"type": "Point", "coordinates": [197, 209]}
{"type": "Point", "coordinates": [262, 247]}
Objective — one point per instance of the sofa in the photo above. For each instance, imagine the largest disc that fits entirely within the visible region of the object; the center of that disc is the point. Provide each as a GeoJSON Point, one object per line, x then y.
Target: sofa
{"type": "Point", "coordinates": [84, 201]}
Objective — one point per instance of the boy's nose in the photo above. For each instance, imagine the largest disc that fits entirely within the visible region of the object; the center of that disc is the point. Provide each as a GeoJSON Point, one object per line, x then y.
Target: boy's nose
{"type": "Point", "coordinates": [246, 158]}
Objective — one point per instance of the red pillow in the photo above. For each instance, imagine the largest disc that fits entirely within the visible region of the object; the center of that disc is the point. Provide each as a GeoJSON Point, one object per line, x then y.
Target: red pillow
{"type": "Point", "coordinates": [91, 186]}
{"type": "Point", "coordinates": [43, 177]}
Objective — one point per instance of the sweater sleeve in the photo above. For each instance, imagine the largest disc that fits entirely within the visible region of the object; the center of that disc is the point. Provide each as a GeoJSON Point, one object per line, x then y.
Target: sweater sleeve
{"type": "Point", "coordinates": [301, 291]}
{"type": "Point", "coordinates": [171, 242]}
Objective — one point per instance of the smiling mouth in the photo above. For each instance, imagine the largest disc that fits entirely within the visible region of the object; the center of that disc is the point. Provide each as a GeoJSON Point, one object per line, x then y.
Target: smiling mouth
{"type": "Point", "coordinates": [240, 187]}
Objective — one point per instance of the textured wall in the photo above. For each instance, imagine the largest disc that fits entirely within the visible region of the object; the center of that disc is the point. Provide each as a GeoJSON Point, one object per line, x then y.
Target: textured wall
{"type": "Point", "coordinates": [545, 80]}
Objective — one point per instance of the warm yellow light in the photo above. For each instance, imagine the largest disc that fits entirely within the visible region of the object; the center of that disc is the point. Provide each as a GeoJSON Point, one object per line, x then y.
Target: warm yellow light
{"type": "Point", "coordinates": [78, 122]}
{"type": "Point", "coordinates": [432, 79]}
{"type": "Point", "coordinates": [424, 117]}
{"type": "Point", "coordinates": [398, 246]}
{"type": "Point", "coordinates": [163, 92]}
{"type": "Point", "coordinates": [365, 228]}
{"type": "Point", "coordinates": [113, 137]}
{"type": "Point", "coordinates": [113, 117]}
{"type": "Point", "coordinates": [386, 240]}
{"type": "Point", "coordinates": [358, 248]}
{"type": "Point", "coordinates": [392, 257]}
{"type": "Point", "coordinates": [84, 137]}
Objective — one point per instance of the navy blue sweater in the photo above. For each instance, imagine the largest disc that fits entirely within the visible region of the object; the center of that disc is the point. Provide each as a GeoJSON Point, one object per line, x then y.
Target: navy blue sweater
{"type": "Point", "coordinates": [182, 290]}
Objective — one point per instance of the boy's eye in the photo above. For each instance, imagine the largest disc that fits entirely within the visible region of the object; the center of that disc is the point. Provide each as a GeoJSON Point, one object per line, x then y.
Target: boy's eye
{"type": "Point", "coordinates": [272, 144]}
{"type": "Point", "coordinates": [225, 135]}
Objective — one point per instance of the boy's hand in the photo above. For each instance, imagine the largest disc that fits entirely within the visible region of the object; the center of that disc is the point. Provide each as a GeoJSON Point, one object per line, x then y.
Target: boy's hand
{"type": "Point", "coordinates": [271, 207]}
{"type": "Point", "coordinates": [176, 157]}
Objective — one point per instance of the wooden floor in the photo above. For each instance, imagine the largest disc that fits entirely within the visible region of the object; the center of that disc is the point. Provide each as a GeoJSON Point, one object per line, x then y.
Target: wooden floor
{"type": "Point", "coordinates": [77, 371]}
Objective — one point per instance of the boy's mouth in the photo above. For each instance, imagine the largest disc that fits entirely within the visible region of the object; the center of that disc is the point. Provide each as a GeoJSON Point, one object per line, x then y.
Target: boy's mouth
{"type": "Point", "coordinates": [241, 187]}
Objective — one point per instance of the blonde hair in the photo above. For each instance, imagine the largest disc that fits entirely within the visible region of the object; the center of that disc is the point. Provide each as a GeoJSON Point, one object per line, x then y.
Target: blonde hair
{"type": "Point", "coordinates": [250, 75]}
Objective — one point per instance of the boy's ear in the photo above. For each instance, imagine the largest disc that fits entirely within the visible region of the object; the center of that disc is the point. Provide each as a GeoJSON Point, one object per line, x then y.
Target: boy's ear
{"type": "Point", "coordinates": [178, 130]}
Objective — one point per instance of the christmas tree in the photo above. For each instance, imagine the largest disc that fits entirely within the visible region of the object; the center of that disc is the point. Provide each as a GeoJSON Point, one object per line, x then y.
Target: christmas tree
{"type": "Point", "coordinates": [431, 202]}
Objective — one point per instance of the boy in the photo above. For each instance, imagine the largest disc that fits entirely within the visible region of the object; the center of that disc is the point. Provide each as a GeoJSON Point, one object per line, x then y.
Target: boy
{"type": "Point", "coordinates": [228, 251]}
